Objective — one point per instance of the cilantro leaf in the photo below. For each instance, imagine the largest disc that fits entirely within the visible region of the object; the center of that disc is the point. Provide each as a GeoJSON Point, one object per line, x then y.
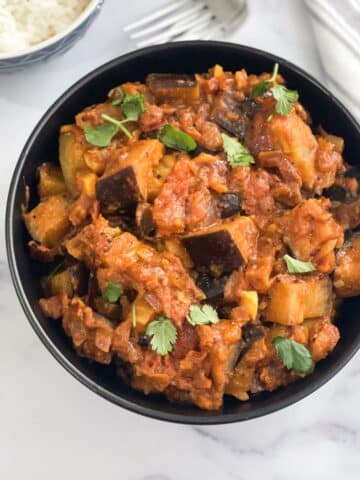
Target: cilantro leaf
{"type": "Point", "coordinates": [285, 99]}
{"type": "Point", "coordinates": [100, 135]}
{"type": "Point", "coordinates": [260, 89]}
{"type": "Point", "coordinates": [263, 86]}
{"type": "Point", "coordinates": [202, 315]}
{"type": "Point", "coordinates": [119, 124]}
{"type": "Point", "coordinates": [297, 266]}
{"type": "Point", "coordinates": [120, 95]}
{"type": "Point", "coordinates": [132, 106]}
{"type": "Point", "coordinates": [112, 292]}
{"type": "Point", "coordinates": [163, 335]}
{"type": "Point", "coordinates": [295, 356]}
{"type": "Point", "coordinates": [174, 138]}
{"type": "Point", "coordinates": [236, 154]}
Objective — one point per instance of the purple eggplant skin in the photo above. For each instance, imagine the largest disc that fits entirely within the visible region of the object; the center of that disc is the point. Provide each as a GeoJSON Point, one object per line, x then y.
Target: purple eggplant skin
{"type": "Point", "coordinates": [118, 192]}
{"type": "Point", "coordinates": [336, 193]}
{"type": "Point", "coordinates": [79, 275]}
{"type": "Point", "coordinates": [229, 204]}
{"type": "Point", "coordinates": [251, 332]}
{"type": "Point", "coordinates": [212, 287]}
{"type": "Point", "coordinates": [214, 251]}
{"type": "Point", "coordinates": [174, 85]}
{"type": "Point", "coordinates": [232, 115]}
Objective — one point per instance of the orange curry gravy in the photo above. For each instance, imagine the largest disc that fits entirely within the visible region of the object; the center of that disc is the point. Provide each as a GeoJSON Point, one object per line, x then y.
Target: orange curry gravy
{"type": "Point", "coordinates": [172, 229]}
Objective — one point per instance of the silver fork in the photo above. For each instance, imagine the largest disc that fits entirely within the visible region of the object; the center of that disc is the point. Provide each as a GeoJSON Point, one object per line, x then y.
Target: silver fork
{"type": "Point", "coordinates": [187, 20]}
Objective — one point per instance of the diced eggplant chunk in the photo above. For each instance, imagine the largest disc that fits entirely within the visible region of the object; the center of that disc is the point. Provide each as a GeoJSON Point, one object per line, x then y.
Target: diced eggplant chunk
{"type": "Point", "coordinates": [212, 287]}
{"type": "Point", "coordinates": [51, 181]}
{"type": "Point", "coordinates": [232, 115]}
{"type": "Point", "coordinates": [122, 188]}
{"type": "Point", "coordinates": [251, 333]}
{"type": "Point", "coordinates": [71, 156]}
{"type": "Point", "coordinates": [112, 311]}
{"type": "Point", "coordinates": [48, 222]}
{"type": "Point", "coordinates": [293, 299]}
{"type": "Point", "coordinates": [173, 85]}
{"type": "Point", "coordinates": [175, 247]}
{"type": "Point", "coordinates": [71, 281]}
{"type": "Point", "coordinates": [336, 193]}
{"type": "Point", "coordinates": [347, 271]}
{"type": "Point", "coordinates": [144, 220]}
{"type": "Point", "coordinates": [118, 192]}
{"type": "Point", "coordinates": [141, 314]}
{"type": "Point", "coordinates": [222, 306]}
{"type": "Point", "coordinates": [223, 248]}
{"type": "Point", "coordinates": [348, 214]}
{"type": "Point", "coordinates": [215, 251]}
{"type": "Point", "coordinates": [229, 204]}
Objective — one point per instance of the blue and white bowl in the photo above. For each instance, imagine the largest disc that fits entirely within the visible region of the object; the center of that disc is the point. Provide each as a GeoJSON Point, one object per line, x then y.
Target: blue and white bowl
{"type": "Point", "coordinates": [55, 45]}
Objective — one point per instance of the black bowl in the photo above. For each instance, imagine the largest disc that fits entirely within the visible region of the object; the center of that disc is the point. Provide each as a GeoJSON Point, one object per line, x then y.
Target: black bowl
{"type": "Point", "coordinates": [43, 144]}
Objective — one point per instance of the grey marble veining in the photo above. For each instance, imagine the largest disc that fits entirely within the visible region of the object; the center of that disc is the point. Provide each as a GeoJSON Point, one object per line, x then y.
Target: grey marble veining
{"type": "Point", "coordinates": [53, 427]}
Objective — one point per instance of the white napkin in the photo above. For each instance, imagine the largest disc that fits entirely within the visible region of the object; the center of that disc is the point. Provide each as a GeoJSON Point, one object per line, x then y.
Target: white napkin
{"type": "Point", "coordinates": [336, 26]}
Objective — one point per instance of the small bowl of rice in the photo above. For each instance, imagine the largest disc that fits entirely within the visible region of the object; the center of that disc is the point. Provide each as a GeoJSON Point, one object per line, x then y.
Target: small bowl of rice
{"type": "Point", "coordinates": [32, 31]}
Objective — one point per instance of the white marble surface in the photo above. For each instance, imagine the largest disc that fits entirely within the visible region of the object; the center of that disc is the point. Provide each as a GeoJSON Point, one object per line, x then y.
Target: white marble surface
{"type": "Point", "coordinates": [51, 427]}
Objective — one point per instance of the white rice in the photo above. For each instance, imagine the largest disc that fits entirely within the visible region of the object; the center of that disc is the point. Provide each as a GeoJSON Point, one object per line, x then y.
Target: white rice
{"type": "Point", "coordinates": [24, 23]}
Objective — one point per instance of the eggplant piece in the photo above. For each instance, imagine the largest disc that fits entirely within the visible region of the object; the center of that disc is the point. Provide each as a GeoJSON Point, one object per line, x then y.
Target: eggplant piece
{"type": "Point", "coordinates": [232, 115]}
{"type": "Point", "coordinates": [212, 287]}
{"type": "Point", "coordinates": [144, 220]}
{"type": "Point", "coordinates": [222, 248]}
{"type": "Point", "coordinates": [51, 181]}
{"type": "Point", "coordinates": [215, 251]}
{"type": "Point", "coordinates": [336, 193]}
{"type": "Point", "coordinates": [293, 299]}
{"type": "Point", "coordinates": [347, 214]}
{"type": "Point", "coordinates": [251, 333]}
{"type": "Point", "coordinates": [222, 306]}
{"type": "Point", "coordinates": [141, 313]}
{"type": "Point", "coordinates": [112, 311]}
{"type": "Point", "coordinates": [71, 156]}
{"type": "Point", "coordinates": [229, 204]}
{"type": "Point", "coordinates": [173, 85]}
{"type": "Point", "coordinates": [347, 271]}
{"type": "Point", "coordinates": [71, 281]}
{"type": "Point", "coordinates": [118, 192]}
{"type": "Point", "coordinates": [48, 222]}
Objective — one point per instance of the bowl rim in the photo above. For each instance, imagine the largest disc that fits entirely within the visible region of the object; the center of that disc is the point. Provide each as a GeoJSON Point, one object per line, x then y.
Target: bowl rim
{"type": "Point", "coordinates": [88, 10]}
{"type": "Point", "coordinates": [211, 418]}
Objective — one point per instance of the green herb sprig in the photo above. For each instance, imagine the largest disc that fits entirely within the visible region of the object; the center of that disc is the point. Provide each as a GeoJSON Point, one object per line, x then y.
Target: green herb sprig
{"type": "Point", "coordinates": [163, 334]}
{"type": "Point", "coordinates": [285, 98]}
{"type": "Point", "coordinates": [297, 266]}
{"type": "Point", "coordinates": [202, 315]}
{"type": "Point", "coordinates": [295, 356]}
{"type": "Point", "coordinates": [112, 292]}
{"type": "Point", "coordinates": [101, 135]}
{"type": "Point", "coordinates": [176, 139]}
{"type": "Point", "coordinates": [236, 154]}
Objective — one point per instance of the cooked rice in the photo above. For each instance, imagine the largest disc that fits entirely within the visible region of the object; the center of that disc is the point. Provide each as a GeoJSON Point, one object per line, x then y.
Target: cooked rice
{"type": "Point", "coordinates": [24, 23]}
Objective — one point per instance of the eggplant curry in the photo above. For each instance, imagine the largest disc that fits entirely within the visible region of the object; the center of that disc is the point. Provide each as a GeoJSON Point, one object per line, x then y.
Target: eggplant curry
{"type": "Point", "coordinates": [191, 235]}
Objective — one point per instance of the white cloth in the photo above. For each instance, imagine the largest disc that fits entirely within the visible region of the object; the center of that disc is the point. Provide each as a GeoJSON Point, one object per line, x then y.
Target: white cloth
{"type": "Point", "coordinates": [336, 26]}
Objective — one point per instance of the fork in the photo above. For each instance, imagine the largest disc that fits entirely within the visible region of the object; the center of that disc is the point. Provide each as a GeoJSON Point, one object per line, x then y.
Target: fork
{"type": "Point", "coordinates": [187, 20]}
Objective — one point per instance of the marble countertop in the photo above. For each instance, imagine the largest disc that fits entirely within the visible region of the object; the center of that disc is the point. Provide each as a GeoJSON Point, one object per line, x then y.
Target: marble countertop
{"type": "Point", "coordinates": [53, 427]}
